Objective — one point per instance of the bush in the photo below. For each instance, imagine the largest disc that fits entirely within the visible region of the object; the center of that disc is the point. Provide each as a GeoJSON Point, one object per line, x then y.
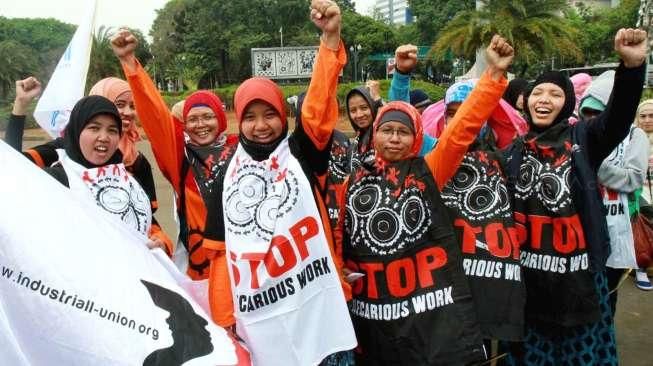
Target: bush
{"type": "Point", "coordinates": [226, 93]}
{"type": "Point", "coordinates": [5, 112]}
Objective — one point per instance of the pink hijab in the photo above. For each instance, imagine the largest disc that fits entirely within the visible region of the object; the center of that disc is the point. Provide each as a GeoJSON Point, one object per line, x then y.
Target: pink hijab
{"type": "Point", "coordinates": [581, 82]}
{"type": "Point", "coordinates": [111, 88]}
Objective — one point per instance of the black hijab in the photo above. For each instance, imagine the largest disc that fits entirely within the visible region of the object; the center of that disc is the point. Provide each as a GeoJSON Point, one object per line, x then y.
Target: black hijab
{"type": "Point", "coordinates": [561, 80]}
{"type": "Point", "coordinates": [516, 87]}
{"type": "Point", "coordinates": [83, 111]}
{"type": "Point", "coordinates": [374, 106]}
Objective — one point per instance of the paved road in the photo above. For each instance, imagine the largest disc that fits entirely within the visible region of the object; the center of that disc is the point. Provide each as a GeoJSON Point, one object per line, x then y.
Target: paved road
{"type": "Point", "coordinates": [634, 318]}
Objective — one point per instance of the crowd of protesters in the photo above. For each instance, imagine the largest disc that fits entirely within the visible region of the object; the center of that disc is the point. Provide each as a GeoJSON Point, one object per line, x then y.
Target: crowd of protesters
{"type": "Point", "coordinates": [445, 232]}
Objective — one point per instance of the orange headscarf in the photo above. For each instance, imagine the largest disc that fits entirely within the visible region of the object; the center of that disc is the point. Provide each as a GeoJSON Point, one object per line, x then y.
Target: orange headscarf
{"type": "Point", "coordinates": [261, 89]}
{"type": "Point", "coordinates": [415, 117]}
{"type": "Point", "coordinates": [111, 88]}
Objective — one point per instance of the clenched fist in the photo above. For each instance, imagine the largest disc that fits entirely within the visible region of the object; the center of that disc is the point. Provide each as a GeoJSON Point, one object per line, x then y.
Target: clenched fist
{"type": "Point", "coordinates": [26, 90]}
{"type": "Point", "coordinates": [326, 16]}
{"type": "Point", "coordinates": [630, 44]}
{"type": "Point", "coordinates": [406, 58]}
{"type": "Point", "coordinates": [124, 45]}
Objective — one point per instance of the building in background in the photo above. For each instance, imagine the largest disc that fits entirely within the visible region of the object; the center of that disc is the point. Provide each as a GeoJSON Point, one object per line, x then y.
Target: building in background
{"type": "Point", "coordinates": [396, 12]}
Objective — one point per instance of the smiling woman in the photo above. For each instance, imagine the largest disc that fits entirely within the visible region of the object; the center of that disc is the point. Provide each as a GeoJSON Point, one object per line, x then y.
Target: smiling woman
{"type": "Point", "coordinates": [552, 171]}
{"type": "Point", "coordinates": [393, 227]}
{"type": "Point", "coordinates": [261, 123]}
{"type": "Point", "coordinates": [98, 140]}
{"type": "Point", "coordinates": [91, 164]}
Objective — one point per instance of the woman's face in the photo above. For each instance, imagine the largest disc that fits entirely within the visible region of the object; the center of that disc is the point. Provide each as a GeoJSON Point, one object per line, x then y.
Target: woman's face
{"type": "Point", "coordinates": [125, 105]}
{"type": "Point", "coordinates": [545, 103]}
{"type": "Point", "coordinates": [645, 118]}
{"type": "Point", "coordinates": [201, 125]}
{"type": "Point", "coordinates": [360, 111]}
{"type": "Point", "coordinates": [450, 112]}
{"type": "Point", "coordinates": [393, 141]}
{"type": "Point", "coordinates": [261, 123]}
{"type": "Point", "coordinates": [99, 139]}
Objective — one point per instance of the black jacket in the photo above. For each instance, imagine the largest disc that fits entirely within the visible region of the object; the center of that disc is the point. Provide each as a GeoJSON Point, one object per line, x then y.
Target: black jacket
{"type": "Point", "coordinates": [593, 141]}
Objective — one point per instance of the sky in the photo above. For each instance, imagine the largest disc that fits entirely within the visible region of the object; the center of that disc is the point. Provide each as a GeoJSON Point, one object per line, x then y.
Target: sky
{"type": "Point", "coordinates": [112, 13]}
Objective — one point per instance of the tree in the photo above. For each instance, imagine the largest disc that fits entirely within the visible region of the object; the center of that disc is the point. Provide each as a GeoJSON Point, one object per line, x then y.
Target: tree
{"type": "Point", "coordinates": [347, 5]}
{"type": "Point", "coordinates": [597, 27]}
{"type": "Point", "coordinates": [535, 28]}
{"type": "Point", "coordinates": [30, 47]}
{"type": "Point", "coordinates": [103, 63]}
{"type": "Point", "coordinates": [432, 15]}
{"type": "Point", "coordinates": [374, 37]}
{"type": "Point", "coordinates": [216, 37]}
{"type": "Point", "coordinates": [408, 33]}
{"type": "Point", "coordinates": [167, 33]}
{"type": "Point", "coordinates": [16, 62]}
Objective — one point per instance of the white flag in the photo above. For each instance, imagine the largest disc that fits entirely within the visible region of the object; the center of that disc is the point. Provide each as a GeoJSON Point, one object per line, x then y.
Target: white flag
{"type": "Point", "coordinates": [66, 86]}
{"type": "Point", "coordinates": [78, 288]}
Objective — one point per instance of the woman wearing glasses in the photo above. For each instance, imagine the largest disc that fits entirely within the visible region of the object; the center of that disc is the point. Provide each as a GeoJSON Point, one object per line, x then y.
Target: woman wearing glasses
{"type": "Point", "coordinates": [412, 306]}
{"type": "Point", "coordinates": [190, 152]}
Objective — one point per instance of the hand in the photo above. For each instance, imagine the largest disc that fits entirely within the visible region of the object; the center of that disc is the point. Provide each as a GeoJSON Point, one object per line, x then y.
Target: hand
{"type": "Point", "coordinates": [375, 89]}
{"type": "Point", "coordinates": [499, 55]}
{"type": "Point", "coordinates": [326, 16]}
{"type": "Point", "coordinates": [26, 91]}
{"type": "Point", "coordinates": [155, 242]}
{"type": "Point", "coordinates": [124, 45]}
{"type": "Point", "coordinates": [346, 272]}
{"type": "Point", "coordinates": [630, 44]}
{"type": "Point", "coordinates": [406, 58]}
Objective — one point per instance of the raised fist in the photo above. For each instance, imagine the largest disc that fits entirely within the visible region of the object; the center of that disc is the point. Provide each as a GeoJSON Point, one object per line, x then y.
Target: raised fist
{"type": "Point", "coordinates": [26, 90]}
{"type": "Point", "coordinates": [124, 44]}
{"type": "Point", "coordinates": [499, 53]}
{"type": "Point", "coordinates": [326, 16]}
{"type": "Point", "coordinates": [375, 89]}
{"type": "Point", "coordinates": [630, 44]}
{"type": "Point", "coordinates": [406, 58]}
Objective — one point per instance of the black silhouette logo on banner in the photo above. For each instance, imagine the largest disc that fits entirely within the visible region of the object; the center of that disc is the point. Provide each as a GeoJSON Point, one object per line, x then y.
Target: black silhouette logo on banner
{"type": "Point", "coordinates": [190, 337]}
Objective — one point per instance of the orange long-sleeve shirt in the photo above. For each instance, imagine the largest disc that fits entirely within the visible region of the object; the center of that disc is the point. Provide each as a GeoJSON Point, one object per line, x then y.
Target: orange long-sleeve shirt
{"type": "Point", "coordinates": [443, 161]}
{"type": "Point", "coordinates": [445, 158]}
{"type": "Point", "coordinates": [167, 141]}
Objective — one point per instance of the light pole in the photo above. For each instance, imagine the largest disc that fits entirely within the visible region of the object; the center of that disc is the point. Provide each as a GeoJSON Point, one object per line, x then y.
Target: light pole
{"type": "Point", "coordinates": [355, 50]}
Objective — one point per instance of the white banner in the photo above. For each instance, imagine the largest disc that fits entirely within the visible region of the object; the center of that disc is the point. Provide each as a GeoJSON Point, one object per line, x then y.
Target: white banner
{"type": "Point", "coordinates": [66, 86]}
{"type": "Point", "coordinates": [78, 288]}
{"type": "Point", "coordinates": [285, 284]}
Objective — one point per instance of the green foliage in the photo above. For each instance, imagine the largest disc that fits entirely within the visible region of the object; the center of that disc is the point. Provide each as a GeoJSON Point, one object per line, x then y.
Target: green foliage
{"type": "Point", "coordinates": [226, 93]}
{"type": "Point", "coordinates": [5, 112]}
{"type": "Point", "coordinates": [409, 34]}
{"type": "Point", "coordinates": [216, 36]}
{"type": "Point", "coordinates": [30, 47]}
{"type": "Point", "coordinates": [597, 28]}
{"type": "Point", "coordinates": [103, 63]}
{"type": "Point", "coordinates": [647, 94]}
{"type": "Point", "coordinates": [347, 5]}
{"type": "Point", "coordinates": [533, 27]}
{"type": "Point", "coordinates": [432, 15]}
{"type": "Point", "coordinates": [16, 61]}
{"type": "Point", "coordinates": [373, 36]}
